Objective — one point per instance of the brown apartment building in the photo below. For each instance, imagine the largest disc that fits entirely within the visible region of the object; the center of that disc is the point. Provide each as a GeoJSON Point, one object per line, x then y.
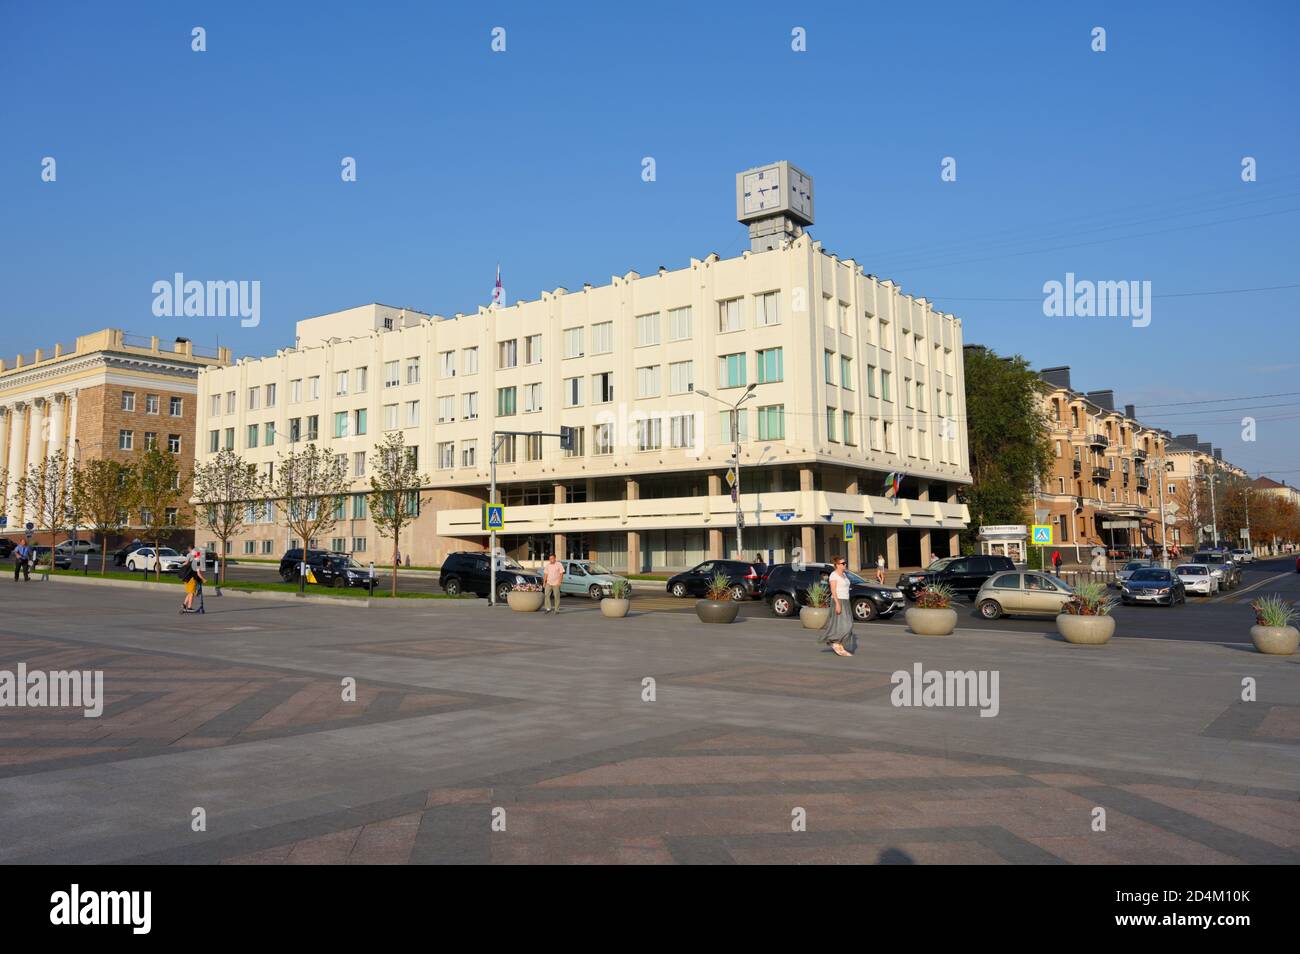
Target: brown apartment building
{"type": "Point", "coordinates": [110, 395]}
{"type": "Point", "coordinates": [1104, 489]}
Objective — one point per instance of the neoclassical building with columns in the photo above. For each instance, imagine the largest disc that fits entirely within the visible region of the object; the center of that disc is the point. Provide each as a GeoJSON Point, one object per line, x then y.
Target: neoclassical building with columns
{"type": "Point", "coordinates": [110, 395]}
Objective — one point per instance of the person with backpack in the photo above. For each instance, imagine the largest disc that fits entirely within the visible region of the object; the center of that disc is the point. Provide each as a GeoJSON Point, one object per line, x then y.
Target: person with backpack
{"type": "Point", "coordinates": [192, 577]}
{"type": "Point", "coordinates": [1056, 562]}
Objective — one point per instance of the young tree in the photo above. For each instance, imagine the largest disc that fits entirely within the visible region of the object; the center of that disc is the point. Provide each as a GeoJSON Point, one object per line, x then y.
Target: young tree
{"type": "Point", "coordinates": [104, 492]}
{"type": "Point", "coordinates": [394, 497]}
{"type": "Point", "coordinates": [1008, 431]}
{"type": "Point", "coordinates": [308, 485]}
{"type": "Point", "coordinates": [45, 492]}
{"type": "Point", "coordinates": [160, 491]}
{"type": "Point", "coordinates": [224, 487]}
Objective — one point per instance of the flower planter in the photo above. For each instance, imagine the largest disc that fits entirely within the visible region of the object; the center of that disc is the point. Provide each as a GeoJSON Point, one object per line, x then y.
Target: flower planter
{"type": "Point", "coordinates": [1085, 630]}
{"type": "Point", "coordinates": [814, 617]}
{"type": "Point", "coordinates": [525, 601]}
{"type": "Point", "coordinates": [931, 622]}
{"type": "Point", "coordinates": [614, 609]}
{"type": "Point", "coordinates": [716, 611]}
{"type": "Point", "coordinates": [1275, 640]}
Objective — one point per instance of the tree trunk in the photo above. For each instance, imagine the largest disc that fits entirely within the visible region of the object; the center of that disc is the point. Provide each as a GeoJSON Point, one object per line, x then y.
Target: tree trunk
{"type": "Point", "coordinates": [103, 557]}
{"type": "Point", "coordinates": [396, 531]}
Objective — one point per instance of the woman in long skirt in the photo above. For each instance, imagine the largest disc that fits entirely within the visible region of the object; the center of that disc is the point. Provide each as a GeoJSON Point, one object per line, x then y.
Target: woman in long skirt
{"type": "Point", "coordinates": [839, 628]}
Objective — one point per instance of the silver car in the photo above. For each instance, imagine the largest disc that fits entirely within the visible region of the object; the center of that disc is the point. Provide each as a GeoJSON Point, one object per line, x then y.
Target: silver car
{"type": "Point", "coordinates": [587, 578]}
{"type": "Point", "coordinates": [1031, 593]}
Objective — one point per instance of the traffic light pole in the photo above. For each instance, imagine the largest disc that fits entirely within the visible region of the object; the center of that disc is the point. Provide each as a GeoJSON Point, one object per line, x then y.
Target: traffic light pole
{"type": "Point", "coordinates": [498, 438]}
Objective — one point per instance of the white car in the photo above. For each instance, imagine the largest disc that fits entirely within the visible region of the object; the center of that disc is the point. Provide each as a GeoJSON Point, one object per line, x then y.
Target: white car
{"type": "Point", "coordinates": [1243, 556]}
{"type": "Point", "coordinates": [81, 546]}
{"type": "Point", "coordinates": [1198, 578]}
{"type": "Point", "coordinates": [144, 559]}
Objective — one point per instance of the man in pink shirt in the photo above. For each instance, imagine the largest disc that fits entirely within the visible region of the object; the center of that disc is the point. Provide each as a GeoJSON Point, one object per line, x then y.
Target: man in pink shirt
{"type": "Point", "coordinates": [552, 577]}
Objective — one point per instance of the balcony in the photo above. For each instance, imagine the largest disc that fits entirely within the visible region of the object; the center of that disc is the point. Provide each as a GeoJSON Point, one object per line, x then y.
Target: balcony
{"type": "Point", "coordinates": [1143, 483]}
{"type": "Point", "coordinates": [1076, 467]}
{"type": "Point", "coordinates": [1100, 475]}
{"type": "Point", "coordinates": [1139, 454]}
{"type": "Point", "coordinates": [1098, 440]}
{"type": "Point", "coordinates": [1078, 505]}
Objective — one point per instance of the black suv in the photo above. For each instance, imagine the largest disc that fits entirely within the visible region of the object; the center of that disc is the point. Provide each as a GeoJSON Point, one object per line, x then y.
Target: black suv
{"type": "Point", "coordinates": [329, 568]}
{"type": "Point", "coordinates": [7, 547]}
{"type": "Point", "coordinates": [745, 581]}
{"type": "Point", "coordinates": [787, 590]}
{"type": "Point", "coordinates": [472, 573]}
{"type": "Point", "coordinates": [964, 574]}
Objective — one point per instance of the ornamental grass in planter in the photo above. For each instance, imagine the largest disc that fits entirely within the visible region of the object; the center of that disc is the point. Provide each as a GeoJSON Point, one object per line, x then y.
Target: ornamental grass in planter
{"type": "Point", "coordinates": [616, 605]}
{"type": "Point", "coordinates": [818, 611]}
{"type": "Point", "coordinates": [1085, 618]}
{"type": "Point", "coordinates": [933, 614]}
{"type": "Point", "coordinates": [525, 597]}
{"type": "Point", "coordinates": [718, 606]}
{"type": "Point", "coordinates": [1273, 633]}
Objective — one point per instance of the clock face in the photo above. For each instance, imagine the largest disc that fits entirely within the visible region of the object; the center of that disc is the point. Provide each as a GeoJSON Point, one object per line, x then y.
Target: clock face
{"type": "Point", "coordinates": [762, 190]}
{"type": "Point", "coordinates": [800, 193]}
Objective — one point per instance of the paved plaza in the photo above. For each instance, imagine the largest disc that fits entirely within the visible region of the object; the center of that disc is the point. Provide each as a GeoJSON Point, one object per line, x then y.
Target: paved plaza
{"type": "Point", "coordinates": [481, 735]}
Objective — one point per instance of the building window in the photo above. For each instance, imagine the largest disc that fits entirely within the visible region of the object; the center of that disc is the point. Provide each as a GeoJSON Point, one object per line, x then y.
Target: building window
{"type": "Point", "coordinates": [128, 400]}
{"type": "Point", "coordinates": [884, 385]}
{"type": "Point", "coordinates": [313, 388]}
{"type": "Point", "coordinates": [505, 402]}
{"type": "Point", "coordinates": [169, 516]}
{"type": "Point", "coordinates": [413, 411]}
{"type": "Point", "coordinates": [730, 317]}
{"type": "Point", "coordinates": [413, 370]}
{"type": "Point", "coordinates": [602, 386]}
{"type": "Point", "coordinates": [359, 464]}
{"type": "Point", "coordinates": [252, 436]}
{"type": "Point", "coordinates": [468, 453]}
{"type": "Point", "coordinates": [741, 434]}
{"type": "Point", "coordinates": [268, 434]}
{"type": "Point", "coordinates": [681, 377]}
{"type": "Point", "coordinates": [533, 447]}
{"type": "Point", "coordinates": [469, 361]}
{"type": "Point", "coordinates": [446, 455]}
{"type": "Point", "coordinates": [174, 443]}
{"type": "Point", "coordinates": [340, 383]}
{"type": "Point", "coordinates": [230, 439]}
{"type": "Point", "coordinates": [830, 424]}
{"type": "Point", "coordinates": [603, 438]}
{"type": "Point", "coordinates": [392, 376]}
{"type": "Point", "coordinates": [390, 417]}
{"type": "Point", "coordinates": [573, 343]}
{"type": "Point", "coordinates": [682, 430]}
{"type": "Point", "coordinates": [647, 381]}
{"type": "Point", "coordinates": [648, 434]}
{"type": "Point", "coordinates": [533, 349]}
{"type": "Point", "coordinates": [150, 440]}
{"type": "Point", "coordinates": [358, 544]}
{"type": "Point", "coordinates": [771, 365]}
{"type": "Point", "coordinates": [295, 391]}
{"type": "Point", "coordinates": [602, 338]}
{"type": "Point", "coordinates": [214, 406]}
{"type": "Point", "coordinates": [151, 404]}
{"type": "Point", "coordinates": [766, 310]}
{"type": "Point", "coordinates": [230, 402]}
{"type": "Point", "coordinates": [506, 449]}
{"type": "Point", "coordinates": [361, 376]}
{"type": "Point", "coordinates": [679, 324]}
{"type": "Point", "coordinates": [647, 330]}
{"type": "Point", "coordinates": [446, 364]}
{"type": "Point", "coordinates": [846, 372]}
{"type": "Point", "coordinates": [845, 326]}
{"type": "Point", "coordinates": [731, 370]}
{"type": "Point", "coordinates": [359, 421]}
{"type": "Point", "coordinates": [828, 366]}
{"type": "Point", "coordinates": [532, 397]}
{"type": "Point", "coordinates": [850, 432]}
{"type": "Point", "coordinates": [771, 422]}
{"type": "Point", "coordinates": [341, 424]}
{"type": "Point", "coordinates": [214, 441]}
{"type": "Point", "coordinates": [469, 406]}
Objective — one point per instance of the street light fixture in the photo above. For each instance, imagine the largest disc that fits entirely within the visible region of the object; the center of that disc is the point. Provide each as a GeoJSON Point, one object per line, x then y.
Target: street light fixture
{"type": "Point", "coordinates": [734, 410]}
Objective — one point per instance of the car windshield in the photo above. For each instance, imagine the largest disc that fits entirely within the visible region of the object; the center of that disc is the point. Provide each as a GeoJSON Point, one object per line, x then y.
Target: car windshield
{"type": "Point", "coordinates": [1149, 574]}
{"type": "Point", "coordinates": [939, 564]}
{"type": "Point", "coordinates": [509, 563]}
{"type": "Point", "coordinates": [167, 551]}
{"type": "Point", "coordinates": [854, 578]}
{"type": "Point", "coordinates": [1190, 570]}
{"type": "Point", "coordinates": [346, 562]}
{"type": "Point", "coordinates": [597, 569]}
{"type": "Point", "coordinates": [1136, 565]}
{"type": "Point", "coordinates": [1060, 582]}
{"type": "Point", "coordinates": [1211, 558]}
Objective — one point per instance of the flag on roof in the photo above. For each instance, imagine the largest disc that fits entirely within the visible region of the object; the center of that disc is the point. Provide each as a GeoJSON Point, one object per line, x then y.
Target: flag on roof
{"type": "Point", "coordinates": [498, 291]}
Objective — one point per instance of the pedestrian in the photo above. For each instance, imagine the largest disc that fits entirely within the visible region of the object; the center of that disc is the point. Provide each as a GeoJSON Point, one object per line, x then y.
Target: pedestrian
{"type": "Point", "coordinates": [192, 576]}
{"type": "Point", "coordinates": [839, 628]}
{"type": "Point", "coordinates": [552, 576]}
{"type": "Point", "coordinates": [23, 562]}
{"type": "Point", "coordinates": [880, 570]}
{"type": "Point", "coordinates": [1147, 553]}
{"type": "Point", "coordinates": [1056, 562]}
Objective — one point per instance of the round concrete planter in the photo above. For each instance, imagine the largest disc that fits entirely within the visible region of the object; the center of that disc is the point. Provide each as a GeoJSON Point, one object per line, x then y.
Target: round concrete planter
{"type": "Point", "coordinates": [614, 609]}
{"type": "Point", "coordinates": [525, 601]}
{"type": "Point", "coordinates": [1085, 630]}
{"type": "Point", "coordinates": [1275, 640]}
{"type": "Point", "coordinates": [814, 617]}
{"type": "Point", "coordinates": [931, 622]}
{"type": "Point", "coordinates": [716, 611]}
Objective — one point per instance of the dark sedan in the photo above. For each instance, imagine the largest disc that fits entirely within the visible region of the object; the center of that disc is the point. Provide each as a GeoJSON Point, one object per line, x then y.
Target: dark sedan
{"type": "Point", "coordinates": [742, 577]}
{"type": "Point", "coordinates": [1153, 584]}
{"type": "Point", "coordinates": [786, 591]}
{"type": "Point", "coordinates": [41, 557]}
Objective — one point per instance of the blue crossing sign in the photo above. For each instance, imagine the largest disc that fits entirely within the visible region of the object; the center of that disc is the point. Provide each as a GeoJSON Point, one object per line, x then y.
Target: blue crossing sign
{"type": "Point", "coordinates": [850, 529]}
{"type": "Point", "coordinates": [494, 516]}
{"type": "Point", "coordinates": [1042, 534]}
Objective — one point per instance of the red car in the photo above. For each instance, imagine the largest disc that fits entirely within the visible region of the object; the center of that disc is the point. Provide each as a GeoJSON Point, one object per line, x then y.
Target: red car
{"type": "Point", "coordinates": [1297, 564]}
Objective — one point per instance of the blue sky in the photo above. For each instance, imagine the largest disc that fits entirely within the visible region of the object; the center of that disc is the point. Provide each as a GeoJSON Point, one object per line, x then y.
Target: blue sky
{"type": "Point", "coordinates": [1122, 165]}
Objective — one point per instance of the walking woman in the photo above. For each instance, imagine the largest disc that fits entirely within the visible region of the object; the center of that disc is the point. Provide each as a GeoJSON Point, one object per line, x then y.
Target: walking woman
{"type": "Point", "coordinates": [839, 628]}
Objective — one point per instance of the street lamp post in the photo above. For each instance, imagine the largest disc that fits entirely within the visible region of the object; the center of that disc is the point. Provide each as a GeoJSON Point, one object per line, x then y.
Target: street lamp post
{"type": "Point", "coordinates": [734, 410]}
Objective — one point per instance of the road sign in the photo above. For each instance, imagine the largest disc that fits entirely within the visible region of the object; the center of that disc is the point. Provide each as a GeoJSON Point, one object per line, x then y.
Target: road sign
{"type": "Point", "coordinates": [849, 530]}
{"type": "Point", "coordinates": [731, 477]}
{"type": "Point", "coordinates": [494, 516]}
{"type": "Point", "coordinates": [566, 438]}
{"type": "Point", "coordinates": [784, 515]}
{"type": "Point", "coordinates": [1120, 524]}
{"type": "Point", "coordinates": [1042, 534]}
{"type": "Point", "coordinates": [30, 526]}
{"type": "Point", "coordinates": [4, 521]}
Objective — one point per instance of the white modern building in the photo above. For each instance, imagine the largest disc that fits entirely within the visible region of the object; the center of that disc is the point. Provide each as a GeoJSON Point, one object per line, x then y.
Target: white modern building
{"type": "Point", "coordinates": [842, 380]}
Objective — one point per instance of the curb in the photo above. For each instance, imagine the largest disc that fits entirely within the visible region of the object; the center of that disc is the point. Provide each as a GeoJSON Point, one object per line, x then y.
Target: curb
{"type": "Point", "coordinates": [228, 591]}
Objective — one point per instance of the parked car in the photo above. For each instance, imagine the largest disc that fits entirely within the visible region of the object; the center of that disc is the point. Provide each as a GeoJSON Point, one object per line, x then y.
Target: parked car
{"type": "Point", "coordinates": [1129, 568]}
{"type": "Point", "coordinates": [964, 574]}
{"type": "Point", "coordinates": [120, 555]}
{"type": "Point", "coordinates": [78, 547]}
{"type": "Point", "coordinates": [1243, 556]}
{"type": "Point", "coordinates": [1197, 578]}
{"type": "Point", "coordinates": [587, 578]}
{"type": "Point", "coordinates": [1222, 565]}
{"type": "Point", "coordinates": [1016, 594]}
{"type": "Point", "coordinates": [787, 590]}
{"type": "Point", "coordinates": [7, 547]}
{"type": "Point", "coordinates": [745, 581]}
{"type": "Point", "coordinates": [41, 557]}
{"type": "Point", "coordinates": [146, 558]}
{"type": "Point", "coordinates": [470, 572]}
{"type": "Point", "coordinates": [1153, 584]}
{"type": "Point", "coordinates": [329, 568]}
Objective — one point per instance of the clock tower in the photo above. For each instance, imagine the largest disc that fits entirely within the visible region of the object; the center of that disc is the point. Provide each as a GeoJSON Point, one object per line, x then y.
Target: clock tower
{"type": "Point", "coordinates": [776, 202]}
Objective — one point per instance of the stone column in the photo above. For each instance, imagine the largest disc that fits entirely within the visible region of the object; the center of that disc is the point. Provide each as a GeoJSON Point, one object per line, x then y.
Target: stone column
{"type": "Point", "coordinates": [891, 548]}
{"type": "Point", "coordinates": [715, 535]}
{"type": "Point", "coordinates": [35, 443]}
{"type": "Point", "coordinates": [923, 496]}
{"type": "Point", "coordinates": [13, 507]}
{"type": "Point", "coordinates": [559, 541]}
{"type": "Point", "coordinates": [954, 536]}
{"type": "Point", "coordinates": [808, 543]}
{"type": "Point", "coordinates": [72, 424]}
{"type": "Point", "coordinates": [58, 425]}
{"type": "Point", "coordinates": [633, 492]}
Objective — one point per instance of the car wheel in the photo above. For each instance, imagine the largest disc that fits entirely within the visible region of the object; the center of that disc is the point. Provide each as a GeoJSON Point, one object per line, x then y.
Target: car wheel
{"type": "Point", "coordinates": [738, 594]}
{"type": "Point", "coordinates": [502, 591]}
{"type": "Point", "coordinates": [990, 609]}
{"type": "Point", "coordinates": [596, 593]}
{"type": "Point", "coordinates": [339, 581]}
{"type": "Point", "coordinates": [679, 590]}
{"type": "Point", "coordinates": [864, 611]}
{"type": "Point", "coordinates": [452, 587]}
{"type": "Point", "coordinates": [130, 565]}
{"type": "Point", "coordinates": [783, 606]}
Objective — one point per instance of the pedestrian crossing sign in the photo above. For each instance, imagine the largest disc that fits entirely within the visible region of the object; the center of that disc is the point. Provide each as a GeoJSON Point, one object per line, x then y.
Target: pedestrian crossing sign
{"type": "Point", "coordinates": [494, 516]}
{"type": "Point", "coordinates": [1042, 534]}
{"type": "Point", "coordinates": [850, 529]}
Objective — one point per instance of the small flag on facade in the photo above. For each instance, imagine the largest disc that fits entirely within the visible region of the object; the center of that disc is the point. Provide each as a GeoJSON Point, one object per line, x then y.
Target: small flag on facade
{"type": "Point", "coordinates": [892, 483]}
{"type": "Point", "coordinates": [498, 291]}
